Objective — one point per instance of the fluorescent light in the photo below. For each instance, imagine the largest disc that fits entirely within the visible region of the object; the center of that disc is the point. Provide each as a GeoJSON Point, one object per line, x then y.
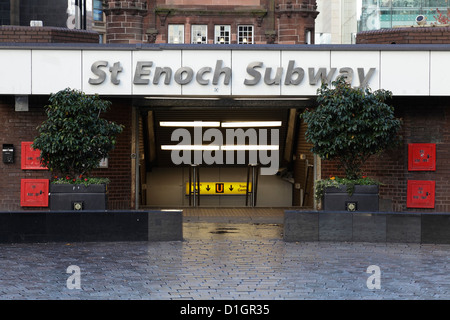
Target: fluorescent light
{"type": "Point", "coordinates": [271, 99]}
{"type": "Point", "coordinates": [241, 124]}
{"type": "Point", "coordinates": [189, 147]}
{"type": "Point", "coordinates": [189, 124]}
{"type": "Point", "coordinates": [250, 147]}
{"type": "Point", "coordinates": [226, 148]}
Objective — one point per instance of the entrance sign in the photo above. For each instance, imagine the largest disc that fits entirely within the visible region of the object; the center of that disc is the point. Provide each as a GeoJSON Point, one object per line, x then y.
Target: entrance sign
{"type": "Point", "coordinates": [185, 70]}
{"type": "Point", "coordinates": [220, 188]}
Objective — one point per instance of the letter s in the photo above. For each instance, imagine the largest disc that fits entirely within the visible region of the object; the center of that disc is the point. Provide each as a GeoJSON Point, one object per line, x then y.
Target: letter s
{"type": "Point", "coordinates": [251, 71]}
{"type": "Point", "coordinates": [95, 68]}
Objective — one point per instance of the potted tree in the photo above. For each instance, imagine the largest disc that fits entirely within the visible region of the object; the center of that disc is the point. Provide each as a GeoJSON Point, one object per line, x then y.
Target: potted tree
{"type": "Point", "coordinates": [72, 141]}
{"type": "Point", "coordinates": [350, 125]}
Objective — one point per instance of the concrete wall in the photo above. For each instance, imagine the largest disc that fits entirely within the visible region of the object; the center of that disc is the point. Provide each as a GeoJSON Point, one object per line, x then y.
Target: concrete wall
{"type": "Point", "coordinates": [366, 226]}
{"type": "Point", "coordinates": [87, 226]}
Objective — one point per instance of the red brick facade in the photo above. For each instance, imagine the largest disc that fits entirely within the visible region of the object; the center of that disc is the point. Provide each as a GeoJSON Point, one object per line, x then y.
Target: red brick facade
{"type": "Point", "coordinates": [411, 35]}
{"type": "Point", "coordinates": [141, 21]}
{"type": "Point", "coordinates": [22, 34]}
{"type": "Point", "coordinates": [18, 126]}
{"type": "Point", "coordinates": [119, 169]}
{"type": "Point", "coordinates": [425, 120]}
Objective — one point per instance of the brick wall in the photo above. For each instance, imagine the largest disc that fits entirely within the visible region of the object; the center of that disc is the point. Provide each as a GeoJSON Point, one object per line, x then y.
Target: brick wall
{"type": "Point", "coordinates": [124, 21]}
{"type": "Point", "coordinates": [294, 19]}
{"type": "Point", "coordinates": [411, 35]}
{"type": "Point", "coordinates": [425, 120]}
{"type": "Point", "coordinates": [21, 34]}
{"type": "Point", "coordinates": [119, 162]}
{"type": "Point", "coordinates": [16, 127]}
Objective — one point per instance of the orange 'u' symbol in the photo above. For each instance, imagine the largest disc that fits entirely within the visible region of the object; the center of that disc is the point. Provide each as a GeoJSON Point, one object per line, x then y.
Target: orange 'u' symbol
{"type": "Point", "coordinates": [219, 188]}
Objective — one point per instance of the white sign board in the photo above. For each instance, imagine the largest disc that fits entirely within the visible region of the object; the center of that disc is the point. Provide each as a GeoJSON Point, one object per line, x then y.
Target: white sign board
{"type": "Point", "coordinates": [219, 73]}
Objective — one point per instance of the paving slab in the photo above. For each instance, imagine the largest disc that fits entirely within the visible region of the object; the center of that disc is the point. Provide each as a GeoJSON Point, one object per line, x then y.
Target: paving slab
{"type": "Point", "coordinates": [225, 260]}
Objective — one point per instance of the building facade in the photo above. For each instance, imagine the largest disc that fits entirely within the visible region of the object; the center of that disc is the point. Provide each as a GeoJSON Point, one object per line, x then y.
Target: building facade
{"type": "Point", "coordinates": [141, 22]}
{"type": "Point", "coordinates": [159, 93]}
{"type": "Point", "coordinates": [340, 20]}
{"type": "Point", "coordinates": [71, 14]}
{"type": "Point", "coordinates": [381, 14]}
{"type": "Point", "coordinates": [161, 89]}
{"type": "Point", "coordinates": [211, 22]}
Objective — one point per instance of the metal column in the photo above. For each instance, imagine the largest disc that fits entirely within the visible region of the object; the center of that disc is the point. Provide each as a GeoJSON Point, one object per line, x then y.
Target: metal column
{"type": "Point", "coordinates": [252, 177]}
{"type": "Point", "coordinates": [194, 179]}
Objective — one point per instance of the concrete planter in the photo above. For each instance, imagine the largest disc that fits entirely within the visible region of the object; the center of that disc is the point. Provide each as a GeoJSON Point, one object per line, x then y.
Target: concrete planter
{"type": "Point", "coordinates": [85, 226]}
{"type": "Point", "coordinates": [69, 197]}
{"type": "Point", "coordinates": [364, 198]}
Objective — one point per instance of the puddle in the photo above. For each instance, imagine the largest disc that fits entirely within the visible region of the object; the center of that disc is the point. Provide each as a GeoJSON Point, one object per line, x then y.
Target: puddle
{"type": "Point", "coordinates": [224, 230]}
{"type": "Point", "coordinates": [244, 231]}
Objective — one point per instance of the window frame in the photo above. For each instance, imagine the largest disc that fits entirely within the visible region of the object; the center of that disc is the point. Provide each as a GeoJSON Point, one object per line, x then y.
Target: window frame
{"type": "Point", "coordinates": [244, 34]}
{"type": "Point", "coordinates": [203, 29]}
{"type": "Point", "coordinates": [97, 10]}
{"type": "Point", "coordinates": [218, 33]}
{"type": "Point", "coordinates": [171, 29]}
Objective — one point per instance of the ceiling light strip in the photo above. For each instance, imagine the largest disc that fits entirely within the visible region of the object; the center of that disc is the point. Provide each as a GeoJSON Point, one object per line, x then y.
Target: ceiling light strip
{"type": "Point", "coordinates": [189, 124]}
{"type": "Point", "coordinates": [224, 148]}
{"type": "Point", "coordinates": [249, 147]}
{"type": "Point", "coordinates": [245, 124]}
{"type": "Point", "coordinates": [189, 147]}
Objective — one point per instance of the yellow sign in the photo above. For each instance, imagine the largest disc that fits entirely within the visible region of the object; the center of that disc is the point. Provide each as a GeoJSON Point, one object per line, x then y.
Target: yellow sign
{"type": "Point", "coordinates": [220, 188]}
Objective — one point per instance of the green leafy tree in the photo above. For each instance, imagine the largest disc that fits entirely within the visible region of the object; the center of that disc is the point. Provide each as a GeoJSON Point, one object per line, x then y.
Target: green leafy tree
{"type": "Point", "coordinates": [74, 138]}
{"type": "Point", "coordinates": [350, 125]}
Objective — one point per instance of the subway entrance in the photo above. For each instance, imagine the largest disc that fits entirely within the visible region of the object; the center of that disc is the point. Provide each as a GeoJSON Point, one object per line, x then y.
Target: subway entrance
{"type": "Point", "coordinates": [223, 157]}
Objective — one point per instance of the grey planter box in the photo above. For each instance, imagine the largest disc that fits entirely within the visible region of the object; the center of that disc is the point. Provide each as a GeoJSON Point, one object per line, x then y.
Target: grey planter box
{"type": "Point", "coordinates": [69, 197]}
{"type": "Point", "coordinates": [364, 198]}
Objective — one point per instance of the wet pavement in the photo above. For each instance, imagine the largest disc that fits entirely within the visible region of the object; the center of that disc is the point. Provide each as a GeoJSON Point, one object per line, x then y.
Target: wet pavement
{"type": "Point", "coordinates": [242, 260]}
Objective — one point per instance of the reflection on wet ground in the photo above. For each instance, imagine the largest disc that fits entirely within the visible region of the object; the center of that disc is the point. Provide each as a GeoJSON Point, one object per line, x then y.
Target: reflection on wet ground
{"type": "Point", "coordinates": [224, 230]}
{"type": "Point", "coordinates": [233, 223]}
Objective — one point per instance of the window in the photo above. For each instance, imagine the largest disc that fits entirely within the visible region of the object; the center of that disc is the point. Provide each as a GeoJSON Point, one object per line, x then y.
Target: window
{"type": "Point", "coordinates": [222, 34]}
{"type": "Point", "coordinates": [199, 34]}
{"type": "Point", "coordinates": [379, 14]}
{"type": "Point", "coordinates": [308, 36]}
{"type": "Point", "coordinates": [245, 34]}
{"type": "Point", "coordinates": [98, 10]}
{"type": "Point", "coordinates": [176, 33]}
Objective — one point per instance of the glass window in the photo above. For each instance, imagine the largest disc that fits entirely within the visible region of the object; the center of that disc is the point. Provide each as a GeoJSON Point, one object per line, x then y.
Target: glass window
{"type": "Point", "coordinates": [98, 10]}
{"type": "Point", "coordinates": [176, 33]}
{"type": "Point", "coordinates": [245, 34]}
{"type": "Point", "coordinates": [439, 3]}
{"type": "Point", "coordinates": [379, 14]}
{"type": "Point", "coordinates": [199, 34]}
{"type": "Point", "coordinates": [222, 34]}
